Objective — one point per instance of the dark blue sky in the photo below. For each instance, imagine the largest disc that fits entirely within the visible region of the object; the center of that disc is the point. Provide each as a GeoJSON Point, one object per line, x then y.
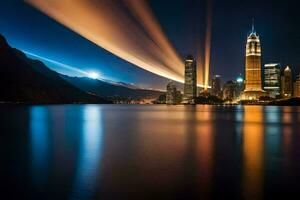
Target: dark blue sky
{"type": "Point", "coordinates": [277, 23]}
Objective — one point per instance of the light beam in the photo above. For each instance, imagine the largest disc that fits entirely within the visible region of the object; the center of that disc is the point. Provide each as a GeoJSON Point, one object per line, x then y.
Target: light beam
{"type": "Point", "coordinates": [71, 68]}
{"type": "Point", "coordinates": [207, 43]}
{"type": "Point", "coordinates": [107, 24]}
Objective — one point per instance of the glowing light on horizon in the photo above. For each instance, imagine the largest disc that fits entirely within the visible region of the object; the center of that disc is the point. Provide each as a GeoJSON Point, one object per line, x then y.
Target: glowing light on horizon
{"type": "Point", "coordinates": [72, 68]}
{"type": "Point", "coordinates": [93, 75]}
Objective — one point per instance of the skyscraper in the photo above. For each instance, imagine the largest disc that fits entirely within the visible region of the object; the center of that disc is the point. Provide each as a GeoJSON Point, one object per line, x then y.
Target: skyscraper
{"type": "Point", "coordinates": [230, 91]}
{"type": "Point", "coordinates": [190, 80]}
{"type": "Point", "coordinates": [253, 83]}
{"type": "Point", "coordinates": [173, 96]}
{"type": "Point", "coordinates": [240, 86]}
{"type": "Point", "coordinates": [287, 83]}
{"type": "Point", "coordinates": [272, 79]}
{"type": "Point", "coordinates": [297, 87]}
{"type": "Point", "coordinates": [216, 89]}
{"type": "Point", "coordinates": [171, 93]}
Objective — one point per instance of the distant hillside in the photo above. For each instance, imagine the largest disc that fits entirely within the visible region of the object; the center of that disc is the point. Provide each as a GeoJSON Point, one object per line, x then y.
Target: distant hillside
{"type": "Point", "coordinates": [23, 80]}
{"type": "Point", "coordinates": [105, 89]}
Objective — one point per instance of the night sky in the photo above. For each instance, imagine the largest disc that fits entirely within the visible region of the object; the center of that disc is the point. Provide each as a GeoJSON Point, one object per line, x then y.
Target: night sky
{"type": "Point", "coordinates": [277, 23]}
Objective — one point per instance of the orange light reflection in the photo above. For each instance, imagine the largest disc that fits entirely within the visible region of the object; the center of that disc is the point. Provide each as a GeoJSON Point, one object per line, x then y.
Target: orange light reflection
{"type": "Point", "coordinates": [253, 152]}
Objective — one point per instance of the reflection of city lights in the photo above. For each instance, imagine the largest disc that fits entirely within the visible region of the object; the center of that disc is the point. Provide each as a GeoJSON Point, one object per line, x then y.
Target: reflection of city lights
{"type": "Point", "coordinates": [90, 153]}
{"type": "Point", "coordinates": [39, 143]}
{"type": "Point", "coordinates": [253, 140]}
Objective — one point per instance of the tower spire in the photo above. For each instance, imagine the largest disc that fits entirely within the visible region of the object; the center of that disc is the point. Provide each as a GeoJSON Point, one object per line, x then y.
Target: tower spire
{"type": "Point", "coordinates": [253, 30]}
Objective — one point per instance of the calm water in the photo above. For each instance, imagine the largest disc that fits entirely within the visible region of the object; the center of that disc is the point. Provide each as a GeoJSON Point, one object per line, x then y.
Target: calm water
{"type": "Point", "coordinates": [149, 152]}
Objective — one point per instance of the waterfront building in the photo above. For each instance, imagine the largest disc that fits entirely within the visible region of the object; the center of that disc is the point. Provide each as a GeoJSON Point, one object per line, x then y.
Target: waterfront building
{"type": "Point", "coordinates": [171, 93]}
{"type": "Point", "coordinates": [173, 96]}
{"type": "Point", "coordinates": [272, 79]}
{"type": "Point", "coordinates": [297, 87]}
{"type": "Point", "coordinates": [240, 85]}
{"type": "Point", "coordinates": [190, 80]}
{"type": "Point", "coordinates": [287, 83]}
{"type": "Point", "coordinates": [230, 91]}
{"type": "Point", "coordinates": [178, 98]}
{"type": "Point", "coordinates": [253, 80]}
{"type": "Point", "coordinates": [216, 89]}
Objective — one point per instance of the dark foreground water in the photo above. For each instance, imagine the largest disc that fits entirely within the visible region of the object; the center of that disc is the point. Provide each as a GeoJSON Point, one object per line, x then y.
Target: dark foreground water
{"type": "Point", "coordinates": [149, 152]}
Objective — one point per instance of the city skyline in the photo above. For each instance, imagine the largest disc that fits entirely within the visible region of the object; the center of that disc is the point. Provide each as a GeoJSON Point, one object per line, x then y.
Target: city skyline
{"type": "Point", "coordinates": [150, 99]}
{"type": "Point", "coordinates": [226, 53]}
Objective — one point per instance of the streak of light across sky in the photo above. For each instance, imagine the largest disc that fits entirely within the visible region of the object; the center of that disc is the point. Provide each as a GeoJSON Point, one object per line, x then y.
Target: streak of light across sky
{"type": "Point", "coordinates": [99, 22]}
{"type": "Point", "coordinates": [68, 67]}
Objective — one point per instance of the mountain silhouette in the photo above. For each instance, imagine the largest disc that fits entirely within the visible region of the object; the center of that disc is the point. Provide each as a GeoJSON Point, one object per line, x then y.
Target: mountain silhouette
{"type": "Point", "coordinates": [107, 90]}
{"type": "Point", "coordinates": [24, 80]}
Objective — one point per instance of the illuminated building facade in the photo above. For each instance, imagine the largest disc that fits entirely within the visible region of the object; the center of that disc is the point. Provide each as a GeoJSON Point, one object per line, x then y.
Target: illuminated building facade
{"type": "Point", "coordinates": [253, 81]}
{"type": "Point", "coordinates": [240, 86]}
{"type": "Point", "coordinates": [230, 91]}
{"type": "Point", "coordinates": [287, 83]}
{"type": "Point", "coordinates": [216, 89]}
{"type": "Point", "coordinates": [297, 87]}
{"type": "Point", "coordinates": [173, 96]}
{"type": "Point", "coordinates": [190, 80]}
{"type": "Point", "coordinates": [272, 79]}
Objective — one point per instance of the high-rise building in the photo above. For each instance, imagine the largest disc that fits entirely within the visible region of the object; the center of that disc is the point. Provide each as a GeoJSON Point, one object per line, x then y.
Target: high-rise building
{"type": "Point", "coordinates": [216, 89]}
{"type": "Point", "coordinates": [190, 80]}
{"type": "Point", "coordinates": [173, 96]}
{"type": "Point", "coordinates": [287, 83]}
{"type": "Point", "coordinates": [178, 99]}
{"type": "Point", "coordinates": [230, 91]}
{"type": "Point", "coordinates": [171, 93]}
{"type": "Point", "coordinates": [272, 79]}
{"type": "Point", "coordinates": [240, 85]}
{"type": "Point", "coordinates": [297, 87]}
{"type": "Point", "coordinates": [253, 83]}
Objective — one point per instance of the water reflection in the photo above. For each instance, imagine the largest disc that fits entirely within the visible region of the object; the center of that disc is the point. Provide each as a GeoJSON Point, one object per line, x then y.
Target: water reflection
{"type": "Point", "coordinates": [39, 139]}
{"type": "Point", "coordinates": [287, 145]}
{"type": "Point", "coordinates": [287, 115]}
{"type": "Point", "coordinates": [152, 152]}
{"type": "Point", "coordinates": [272, 131]}
{"type": "Point", "coordinates": [272, 114]}
{"type": "Point", "coordinates": [253, 152]}
{"type": "Point", "coordinates": [205, 152]}
{"type": "Point", "coordinates": [89, 155]}
{"type": "Point", "coordinates": [161, 138]}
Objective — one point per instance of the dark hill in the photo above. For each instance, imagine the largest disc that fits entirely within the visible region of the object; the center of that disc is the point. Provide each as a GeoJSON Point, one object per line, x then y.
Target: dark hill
{"type": "Point", "coordinates": [23, 80]}
{"type": "Point", "coordinates": [105, 89]}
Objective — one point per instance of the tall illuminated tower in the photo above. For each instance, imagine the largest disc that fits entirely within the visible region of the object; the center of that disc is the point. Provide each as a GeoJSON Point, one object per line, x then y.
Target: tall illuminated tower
{"type": "Point", "coordinates": [190, 80]}
{"type": "Point", "coordinates": [287, 83]}
{"type": "Point", "coordinates": [253, 83]}
{"type": "Point", "coordinates": [216, 89]}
